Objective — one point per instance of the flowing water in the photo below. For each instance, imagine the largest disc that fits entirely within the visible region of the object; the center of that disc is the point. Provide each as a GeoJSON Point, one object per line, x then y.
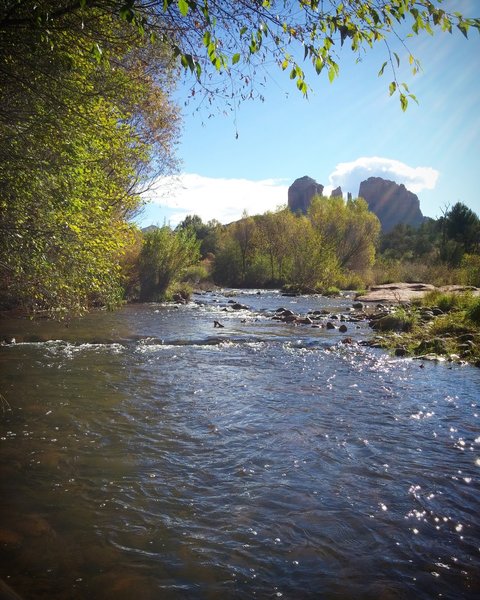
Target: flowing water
{"type": "Point", "coordinates": [145, 454]}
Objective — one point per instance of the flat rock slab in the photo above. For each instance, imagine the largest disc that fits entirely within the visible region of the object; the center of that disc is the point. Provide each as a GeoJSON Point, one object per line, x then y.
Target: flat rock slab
{"type": "Point", "coordinates": [406, 292]}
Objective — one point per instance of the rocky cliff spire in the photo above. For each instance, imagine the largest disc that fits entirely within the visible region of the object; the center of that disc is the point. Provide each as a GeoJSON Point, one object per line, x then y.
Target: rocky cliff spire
{"type": "Point", "coordinates": [392, 203]}
{"type": "Point", "coordinates": [301, 192]}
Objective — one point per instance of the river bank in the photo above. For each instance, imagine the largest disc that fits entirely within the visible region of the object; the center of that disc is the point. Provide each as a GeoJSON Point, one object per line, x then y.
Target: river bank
{"type": "Point", "coordinates": [418, 320]}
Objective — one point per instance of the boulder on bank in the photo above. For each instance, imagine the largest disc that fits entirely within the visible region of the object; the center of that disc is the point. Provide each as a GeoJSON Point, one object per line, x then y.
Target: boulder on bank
{"type": "Point", "coordinates": [396, 292]}
{"type": "Point", "coordinates": [406, 292]}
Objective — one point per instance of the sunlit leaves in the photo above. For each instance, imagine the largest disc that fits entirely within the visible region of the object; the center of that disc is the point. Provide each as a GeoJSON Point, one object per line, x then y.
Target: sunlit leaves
{"type": "Point", "coordinates": [269, 30]}
{"type": "Point", "coordinates": [463, 26]}
{"type": "Point", "coordinates": [183, 7]}
{"type": "Point", "coordinates": [312, 251]}
{"type": "Point", "coordinates": [164, 255]}
{"type": "Point", "coordinates": [255, 33]}
{"type": "Point", "coordinates": [84, 133]}
{"type": "Point", "coordinates": [333, 70]}
{"type": "Point", "coordinates": [319, 65]}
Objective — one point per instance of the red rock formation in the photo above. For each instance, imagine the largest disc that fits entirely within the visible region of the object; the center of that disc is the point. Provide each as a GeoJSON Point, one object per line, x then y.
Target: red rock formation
{"type": "Point", "coordinates": [301, 192]}
{"type": "Point", "coordinates": [392, 203]}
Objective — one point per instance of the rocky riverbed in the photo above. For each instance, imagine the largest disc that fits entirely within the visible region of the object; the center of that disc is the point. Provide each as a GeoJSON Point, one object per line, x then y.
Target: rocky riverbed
{"type": "Point", "coordinates": [400, 324]}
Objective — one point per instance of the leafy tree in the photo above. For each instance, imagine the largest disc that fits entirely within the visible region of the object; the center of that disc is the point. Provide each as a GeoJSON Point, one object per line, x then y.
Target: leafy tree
{"type": "Point", "coordinates": [244, 234]}
{"type": "Point", "coordinates": [77, 141]}
{"type": "Point", "coordinates": [460, 234]}
{"type": "Point", "coordinates": [463, 226]}
{"type": "Point", "coordinates": [228, 262]}
{"type": "Point", "coordinates": [275, 235]}
{"type": "Point", "coordinates": [348, 228]}
{"type": "Point", "coordinates": [410, 243]}
{"type": "Point", "coordinates": [314, 264]}
{"type": "Point", "coordinates": [164, 255]}
{"type": "Point", "coordinates": [311, 252]}
{"type": "Point", "coordinates": [206, 233]}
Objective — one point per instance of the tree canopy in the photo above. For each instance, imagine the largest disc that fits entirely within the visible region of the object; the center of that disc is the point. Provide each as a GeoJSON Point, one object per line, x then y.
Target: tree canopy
{"type": "Point", "coordinates": [227, 44]}
{"type": "Point", "coordinates": [333, 245]}
{"type": "Point", "coordinates": [78, 137]}
{"type": "Point", "coordinates": [165, 254]}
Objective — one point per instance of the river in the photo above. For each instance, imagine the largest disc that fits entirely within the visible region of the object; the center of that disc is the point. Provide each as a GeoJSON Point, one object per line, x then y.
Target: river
{"type": "Point", "coordinates": [145, 454]}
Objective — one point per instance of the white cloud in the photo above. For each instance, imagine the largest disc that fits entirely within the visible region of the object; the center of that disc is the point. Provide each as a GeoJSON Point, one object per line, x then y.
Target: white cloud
{"type": "Point", "coordinates": [350, 175]}
{"type": "Point", "coordinates": [216, 198]}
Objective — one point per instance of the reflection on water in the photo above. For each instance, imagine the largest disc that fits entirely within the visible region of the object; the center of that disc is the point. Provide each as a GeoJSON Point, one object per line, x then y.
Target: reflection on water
{"type": "Point", "coordinates": [145, 454]}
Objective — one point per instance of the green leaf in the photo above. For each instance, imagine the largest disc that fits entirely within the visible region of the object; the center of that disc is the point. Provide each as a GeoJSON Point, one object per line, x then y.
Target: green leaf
{"type": "Point", "coordinates": [235, 58]}
{"type": "Point", "coordinates": [397, 58]}
{"type": "Point", "coordinates": [392, 87]}
{"type": "Point", "coordinates": [333, 70]}
{"type": "Point", "coordinates": [127, 14]}
{"type": "Point", "coordinates": [463, 26]}
{"type": "Point", "coordinates": [403, 102]}
{"type": "Point", "coordinates": [183, 7]}
{"type": "Point", "coordinates": [380, 73]}
{"type": "Point", "coordinates": [413, 97]}
{"type": "Point", "coordinates": [319, 65]}
{"type": "Point", "coordinates": [97, 52]}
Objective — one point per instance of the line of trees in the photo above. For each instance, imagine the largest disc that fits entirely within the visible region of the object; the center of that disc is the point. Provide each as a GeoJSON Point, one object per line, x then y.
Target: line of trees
{"type": "Point", "coordinates": [333, 245]}
{"type": "Point", "coordinates": [338, 244]}
{"type": "Point", "coordinates": [442, 251]}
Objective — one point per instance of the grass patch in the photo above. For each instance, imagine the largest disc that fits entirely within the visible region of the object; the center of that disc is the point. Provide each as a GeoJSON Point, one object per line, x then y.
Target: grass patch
{"type": "Point", "coordinates": [473, 312]}
{"type": "Point", "coordinates": [454, 333]}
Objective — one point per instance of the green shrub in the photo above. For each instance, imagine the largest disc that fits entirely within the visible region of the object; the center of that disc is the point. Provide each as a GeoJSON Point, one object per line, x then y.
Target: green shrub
{"type": "Point", "coordinates": [473, 312]}
{"type": "Point", "coordinates": [178, 290]}
{"type": "Point", "coordinates": [447, 302]}
{"type": "Point", "coordinates": [470, 269]}
{"type": "Point", "coordinates": [400, 320]}
{"type": "Point", "coordinates": [195, 274]}
{"type": "Point", "coordinates": [331, 291]}
{"type": "Point", "coordinates": [351, 280]}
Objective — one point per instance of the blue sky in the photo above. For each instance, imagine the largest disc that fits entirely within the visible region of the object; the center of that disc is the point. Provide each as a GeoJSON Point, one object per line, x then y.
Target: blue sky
{"type": "Point", "coordinates": [343, 133]}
